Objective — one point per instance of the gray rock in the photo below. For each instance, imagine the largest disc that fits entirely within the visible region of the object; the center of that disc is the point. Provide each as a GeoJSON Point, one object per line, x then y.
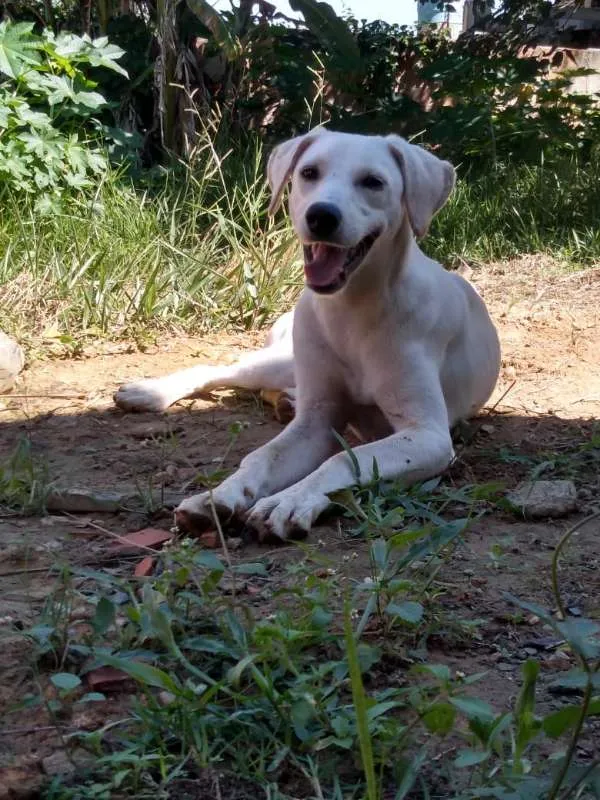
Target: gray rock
{"type": "Point", "coordinates": [536, 499]}
{"type": "Point", "coordinates": [80, 501]}
{"type": "Point", "coordinates": [12, 360]}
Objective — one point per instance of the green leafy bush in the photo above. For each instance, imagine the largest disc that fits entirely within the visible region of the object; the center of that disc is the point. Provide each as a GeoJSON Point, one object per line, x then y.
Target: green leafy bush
{"type": "Point", "coordinates": [52, 137]}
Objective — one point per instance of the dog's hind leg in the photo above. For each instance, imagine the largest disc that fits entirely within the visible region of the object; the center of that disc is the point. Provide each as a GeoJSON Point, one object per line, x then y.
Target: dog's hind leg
{"type": "Point", "coordinates": [271, 368]}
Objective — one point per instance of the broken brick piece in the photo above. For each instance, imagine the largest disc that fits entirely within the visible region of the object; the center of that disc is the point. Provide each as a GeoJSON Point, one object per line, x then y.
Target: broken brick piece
{"type": "Point", "coordinates": [106, 678]}
{"type": "Point", "coordinates": [147, 537]}
{"type": "Point", "coordinates": [144, 567]}
{"type": "Point", "coordinates": [210, 539]}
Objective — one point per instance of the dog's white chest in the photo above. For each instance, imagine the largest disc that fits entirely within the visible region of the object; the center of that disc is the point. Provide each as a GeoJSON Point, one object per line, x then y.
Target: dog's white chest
{"type": "Point", "coordinates": [357, 385]}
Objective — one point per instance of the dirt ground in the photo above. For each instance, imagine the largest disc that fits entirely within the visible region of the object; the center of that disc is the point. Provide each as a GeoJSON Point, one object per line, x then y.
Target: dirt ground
{"type": "Point", "coordinates": [547, 402]}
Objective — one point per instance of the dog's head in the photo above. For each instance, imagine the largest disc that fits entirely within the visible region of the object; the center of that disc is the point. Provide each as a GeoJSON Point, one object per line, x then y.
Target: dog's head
{"type": "Point", "coordinates": [348, 191]}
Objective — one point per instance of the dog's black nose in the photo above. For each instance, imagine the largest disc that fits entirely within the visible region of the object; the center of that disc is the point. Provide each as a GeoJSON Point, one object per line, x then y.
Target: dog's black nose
{"type": "Point", "coordinates": [323, 219]}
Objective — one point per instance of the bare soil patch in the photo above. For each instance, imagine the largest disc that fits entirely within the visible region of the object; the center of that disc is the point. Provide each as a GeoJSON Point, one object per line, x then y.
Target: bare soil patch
{"type": "Point", "coordinates": [545, 409]}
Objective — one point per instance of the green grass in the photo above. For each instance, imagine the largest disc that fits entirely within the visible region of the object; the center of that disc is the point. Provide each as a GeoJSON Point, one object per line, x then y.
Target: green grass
{"type": "Point", "coordinates": [192, 248]}
{"type": "Point", "coordinates": [301, 678]}
{"type": "Point", "coordinates": [520, 209]}
{"type": "Point", "coordinates": [292, 696]}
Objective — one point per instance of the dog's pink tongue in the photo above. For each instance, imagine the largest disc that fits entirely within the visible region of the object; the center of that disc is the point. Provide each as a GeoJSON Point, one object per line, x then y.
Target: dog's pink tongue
{"type": "Point", "coordinates": [326, 266]}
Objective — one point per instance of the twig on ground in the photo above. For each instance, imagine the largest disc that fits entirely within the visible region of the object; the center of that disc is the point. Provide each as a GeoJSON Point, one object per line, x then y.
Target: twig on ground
{"type": "Point", "coordinates": [115, 536]}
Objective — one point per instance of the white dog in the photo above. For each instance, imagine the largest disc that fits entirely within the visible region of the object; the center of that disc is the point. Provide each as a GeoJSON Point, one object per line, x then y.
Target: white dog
{"type": "Point", "coordinates": [383, 337]}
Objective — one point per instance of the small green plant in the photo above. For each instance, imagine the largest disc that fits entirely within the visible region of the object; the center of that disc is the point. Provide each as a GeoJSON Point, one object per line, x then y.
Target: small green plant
{"type": "Point", "coordinates": [291, 702]}
{"type": "Point", "coordinates": [50, 127]}
{"type": "Point", "coordinates": [24, 481]}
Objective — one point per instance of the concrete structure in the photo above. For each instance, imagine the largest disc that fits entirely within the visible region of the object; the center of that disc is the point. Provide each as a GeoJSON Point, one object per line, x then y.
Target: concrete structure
{"type": "Point", "coordinates": [455, 16]}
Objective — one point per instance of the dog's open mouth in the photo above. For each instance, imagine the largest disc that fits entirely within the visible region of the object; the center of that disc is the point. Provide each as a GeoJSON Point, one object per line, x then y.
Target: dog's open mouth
{"type": "Point", "coordinates": [327, 266]}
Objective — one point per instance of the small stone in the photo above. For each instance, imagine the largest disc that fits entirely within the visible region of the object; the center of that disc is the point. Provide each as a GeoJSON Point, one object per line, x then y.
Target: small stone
{"type": "Point", "coordinates": [489, 429]}
{"type": "Point", "coordinates": [535, 499]}
{"type": "Point", "coordinates": [166, 698]}
{"type": "Point", "coordinates": [81, 501]}
{"type": "Point", "coordinates": [235, 543]}
{"type": "Point", "coordinates": [12, 361]}
{"type": "Point", "coordinates": [558, 661]}
{"type": "Point", "coordinates": [58, 764]}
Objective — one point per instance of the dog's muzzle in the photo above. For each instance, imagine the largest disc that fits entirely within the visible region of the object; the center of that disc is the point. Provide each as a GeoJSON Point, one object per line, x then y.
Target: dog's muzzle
{"type": "Point", "coordinates": [327, 266]}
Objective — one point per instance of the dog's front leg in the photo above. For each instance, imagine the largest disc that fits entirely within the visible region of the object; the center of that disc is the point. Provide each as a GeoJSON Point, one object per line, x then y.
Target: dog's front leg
{"type": "Point", "coordinates": [297, 451]}
{"type": "Point", "coordinates": [412, 454]}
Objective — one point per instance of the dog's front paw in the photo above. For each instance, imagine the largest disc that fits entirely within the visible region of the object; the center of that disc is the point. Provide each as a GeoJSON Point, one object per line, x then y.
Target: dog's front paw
{"type": "Point", "coordinates": [232, 498]}
{"type": "Point", "coordinates": [146, 395]}
{"type": "Point", "coordinates": [287, 513]}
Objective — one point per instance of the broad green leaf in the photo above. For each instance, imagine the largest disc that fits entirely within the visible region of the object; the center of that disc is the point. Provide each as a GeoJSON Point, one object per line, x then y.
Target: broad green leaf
{"type": "Point", "coordinates": [437, 539]}
{"type": "Point", "coordinates": [576, 679]}
{"type": "Point", "coordinates": [143, 673]}
{"type": "Point", "coordinates": [440, 718]}
{"type": "Point", "coordinates": [92, 100]}
{"type": "Point", "coordinates": [473, 708]}
{"type": "Point", "coordinates": [408, 611]}
{"type": "Point", "coordinates": [583, 635]}
{"type": "Point", "coordinates": [207, 644]}
{"type": "Point", "coordinates": [558, 722]}
{"type": "Point", "coordinates": [302, 713]}
{"type": "Point", "coordinates": [439, 671]}
{"type": "Point", "coordinates": [379, 553]}
{"type": "Point", "coordinates": [92, 697]}
{"type": "Point", "coordinates": [18, 48]}
{"type": "Point", "coordinates": [66, 681]}
{"type": "Point", "coordinates": [104, 616]}
{"type": "Point", "coordinates": [106, 56]}
{"type": "Point", "coordinates": [470, 758]}
{"type": "Point", "coordinates": [73, 49]}
{"type": "Point", "coordinates": [209, 561]}
{"type": "Point", "coordinates": [320, 617]}
{"type": "Point", "coordinates": [380, 708]}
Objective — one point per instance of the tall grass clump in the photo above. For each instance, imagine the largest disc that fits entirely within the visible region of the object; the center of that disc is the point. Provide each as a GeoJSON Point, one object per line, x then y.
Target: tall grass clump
{"type": "Point", "coordinates": [190, 247]}
{"type": "Point", "coordinates": [519, 209]}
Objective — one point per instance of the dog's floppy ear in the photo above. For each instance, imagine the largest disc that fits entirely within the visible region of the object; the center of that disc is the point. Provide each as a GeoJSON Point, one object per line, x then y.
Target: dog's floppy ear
{"type": "Point", "coordinates": [282, 162]}
{"type": "Point", "coordinates": [428, 181]}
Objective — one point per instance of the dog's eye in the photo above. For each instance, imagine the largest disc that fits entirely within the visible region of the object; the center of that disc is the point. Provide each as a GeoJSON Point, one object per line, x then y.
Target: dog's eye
{"type": "Point", "coordinates": [372, 182]}
{"type": "Point", "coordinates": [309, 173]}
